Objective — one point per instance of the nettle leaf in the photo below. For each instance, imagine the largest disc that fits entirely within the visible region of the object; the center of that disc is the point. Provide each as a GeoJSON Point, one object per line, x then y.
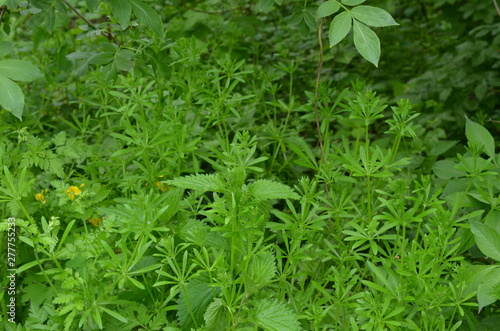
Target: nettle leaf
{"type": "Point", "coordinates": [352, 2]}
{"type": "Point", "coordinates": [19, 70]}
{"type": "Point", "coordinates": [328, 8]}
{"type": "Point", "coordinates": [122, 11]}
{"type": "Point", "coordinates": [264, 189]}
{"type": "Point", "coordinates": [193, 302]}
{"type": "Point", "coordinates": [339, 28]}
{"type": "Point", "coordinates": [367, 43]}
{"type": "Point", "coordinates": [272, 315]}
{"type": "Point", "coordinates": [215, 316]}
{"type": "Point", "coordinates": [199, 182]}
{"type": "Point", "coordinates": [487, 239]}
{"type": "Point", "coordinates": [264, 4]}
{"type": "Point", "coordinates": [11, 97]}
{"type": "Point", "coordinates": [478, 135]}
{"type": "Point", "coordinates": [260, 272]}
{"type": "Point", "coordinates": [373, 16]}
{"type": "Point", "coordinates": [488, 287]}
{"type": "Point", "coordinates": [148, 16]}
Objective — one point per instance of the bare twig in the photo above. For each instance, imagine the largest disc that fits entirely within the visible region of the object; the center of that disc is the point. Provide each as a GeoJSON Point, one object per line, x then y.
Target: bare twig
{"type": "Point", "coordinates": [108, 35]}
{"type": "Point", "coordinates": [496, 7]}
{"type": "Point", "coordinates": [316, 92]}
{"type": "Point", "coordinates": [3, 9]}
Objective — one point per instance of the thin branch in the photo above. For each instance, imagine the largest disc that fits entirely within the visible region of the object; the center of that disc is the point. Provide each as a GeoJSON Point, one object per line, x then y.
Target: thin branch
{"type": "Point", "coordinates": [496, 7]}
{"type": "Point", "coordinates": [316, 92]}
{"type": "Point", "coordinates": [108, 35]}
{"type": "Point", "coordinates": [3, 9]}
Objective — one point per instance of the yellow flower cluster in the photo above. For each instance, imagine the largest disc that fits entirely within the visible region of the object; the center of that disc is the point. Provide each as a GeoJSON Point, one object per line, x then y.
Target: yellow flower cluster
{"type": "Point", "coordinates": [41, 196]}
{"type": "Point", "coordinates": [95, 221]}
{"type": "Point", "coordinates": [161, 186]}
{"type": "Point", "coordinates": [73, 191]}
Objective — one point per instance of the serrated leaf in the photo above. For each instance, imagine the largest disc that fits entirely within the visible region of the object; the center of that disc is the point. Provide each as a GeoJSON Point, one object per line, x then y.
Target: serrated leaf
{"type": "Point", "coordinates": [446, 169]}
{"type": "Point", "coordinates": [19, 70]}
{"type": "Point", "coordinates": [260, 271]}
{"type": "Point", "coordinates": [327, 8]}
{"type": "Point", "coordinates": [264, 189]}
{"type": "Point", "coordinates": [373, 16]}
{"type": "Point", "coordinates": [488, 282]}
{"type": "Point", "coordinates": [91, 4]}
{"type": "Point", "coordinates": [122, 11]}
{"type": "Point", "coordinates": [352, 2]}
{"type": "Point", "coordinates": [215, 316]}
{"type": "Point", "coordinates": [478, 135]}
{"type": "Point", "coordinates": [367, 43]}
{"type": "Point", "coordinates": [264, 4]}
{"type": "Point", "coordinates": [275, 316]}
{"type": "Point", "coordinates": [487, 239]}
{"type": "Point", "coordinates": [148, 16]}
{"type": "Point", "coordinates": [11, 97]}
{"type": "Point", "coordinates": [339, 28]}
{"type": "Point", "coordinates": [199, 182]}
{"type": "Point", "coordinates": [193, 302]}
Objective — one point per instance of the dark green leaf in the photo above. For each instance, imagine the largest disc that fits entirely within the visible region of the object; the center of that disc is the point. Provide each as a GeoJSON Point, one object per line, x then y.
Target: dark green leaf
{"type": "Point", "coordinates": [122, 11]}
{"type": "Point", "coordinates": [352, 2]}
{"type": "Point", "coordinates": [328, 8]}
{"type": "Point", "coordinates": [5, 48]}
{"type": "Point", "coordinates": [102, 58]}
{"type": "Point", "coordinates": [50, 19]}
{"type": "Point", "coordinates": [275, 316]}
{"type": "Point", "coordinates": [123, 60]}
{"type": "Point", "coordinates": [147, 15]}
{"type": "Point", "coordinates": [91, 4]}
{"type": "Point", "coordinates": [373, 16]}
{"type": "Point", "coordinates": [19, 70]}
{"type": "Point", "coordinates": [487, 239]}
{"type": "Point", "coordinates": [193, 302]}
{"type": "Point", "coordinates": [446, 169]}
{"type": "Point", "coordinates": [339, 28]}
{"type": "Point", "coordinates": [11, 97]}
{"type": "Point", "coordinates": [367, 43]}
{"type": "Point", "coordinates": [478, 135]}
{"type": "Point", "coordinates": [264, 4]}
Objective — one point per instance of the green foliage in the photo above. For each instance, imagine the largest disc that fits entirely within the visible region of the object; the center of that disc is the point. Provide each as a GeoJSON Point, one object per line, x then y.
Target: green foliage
{"type": "Point", "coordinates": [195, 166]}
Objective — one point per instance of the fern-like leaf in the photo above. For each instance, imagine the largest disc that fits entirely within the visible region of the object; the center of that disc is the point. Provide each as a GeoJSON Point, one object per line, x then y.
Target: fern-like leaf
{"type": "Point", "coordinates": [264, 189]}
{"type": "Point", "coordinates": [199, 182]}
{"type": "Point", "coordinates": [275, 316]}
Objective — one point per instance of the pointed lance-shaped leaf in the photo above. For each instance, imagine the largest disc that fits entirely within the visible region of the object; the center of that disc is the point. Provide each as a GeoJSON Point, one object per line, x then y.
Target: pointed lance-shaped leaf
{"type": "Point", "coordinates": [339, 28]}
{"type": "Point", "coordinates": [373, 16]}
{"type": "Point", "coordinates": [367, 43]}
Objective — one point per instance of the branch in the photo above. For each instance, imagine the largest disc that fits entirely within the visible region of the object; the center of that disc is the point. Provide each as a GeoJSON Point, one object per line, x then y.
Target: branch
{"type": "Point", "coordinates": [496, 7]}
{"type": "Point", "coordinates": [316, 92]}
{"type": "Point", "coordinates": [3, 9]}
{"type": "Point", "coordinates": [108, 35]}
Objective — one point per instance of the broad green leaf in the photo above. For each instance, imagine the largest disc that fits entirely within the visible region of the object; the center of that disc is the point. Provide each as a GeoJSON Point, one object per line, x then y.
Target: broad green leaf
{"type": "Point", "coordinates": [264, 4]}
{"type": "Point", "coordinates": [440, 147]}
{"type": "Point", "coordinates": [199, 182]}
{"type": "Point", "coordinates": [275, 316]}
{"type": "Point", "coordinates": [215, 316]}
{"type": "Point", "coordinates": [123, 60]}
{"type": "Point", "coordinates": [446, 169]}
{"type": "Point", "coordinates": [11, 97]}
{"type": "Point", "coordinates": [373, 16]}
{"type": "Point", "coordinates": [485, 290]}
{"type": "Point", "coordinates": [478, 135]}
{"type": "Point", "coordinates": [19, 70]}
{"type": "Point", "coordinates": [487, 239]}
{"type": "Point", "coordinates": [193, 302]}
{"type": "Point", "coordinates": [5, 48]}
{"type": "Point", "coordinates": [260, 271]}
{"type": "Point", "coordinates": [367, 43]}
{"type": "Point", "coordinates": [50, 19]}
{"type": "Point", "coordinates": [263, 189]}
{"type": "Point", "coordinates": [328, 8]}
{"type": "Point", "coordinates": [102, 58]}
{"type": "Point", "coordinates": [122, 11]}
{"type": "Point", "coordinates": [352, 2]}
{"type": "Point", "coordinates": [310, 20]}
{"type": "Point", "coordinates": [91, 4]}
{"type": "Point", "coordinates": [147, 15]}
{"type": "Point", "coordinates": [339, 28]}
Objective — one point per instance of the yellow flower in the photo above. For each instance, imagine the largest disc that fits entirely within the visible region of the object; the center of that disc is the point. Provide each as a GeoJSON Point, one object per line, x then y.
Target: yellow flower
{"type": "Point", "coordinates": [40, 197]}
{"type": "Point", "coordinates": [94, 221]}
{"type": "Point", "coordinates": [72, 191]}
